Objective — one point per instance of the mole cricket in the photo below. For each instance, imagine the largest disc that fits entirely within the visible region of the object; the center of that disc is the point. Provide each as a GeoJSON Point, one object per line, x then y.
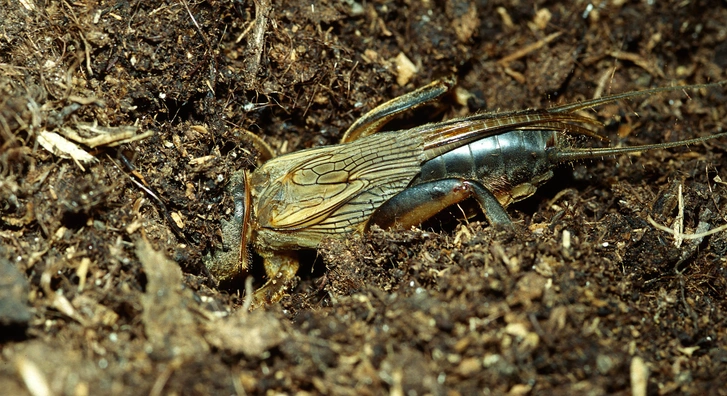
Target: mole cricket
{"type": "Point", "coordinates": [401, 178]}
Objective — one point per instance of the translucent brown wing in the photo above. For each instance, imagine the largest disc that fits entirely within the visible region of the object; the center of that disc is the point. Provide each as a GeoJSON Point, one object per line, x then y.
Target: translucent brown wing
{"type": "Point", "coordinates": [449, 135]}
{"type": "Point", "coordinates": [336, 188]}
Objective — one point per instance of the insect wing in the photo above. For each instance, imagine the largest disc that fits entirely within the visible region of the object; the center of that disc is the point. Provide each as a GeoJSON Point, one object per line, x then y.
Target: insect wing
{"type": "Point", "coordinates": [449, 135]}
{"type": "Point", "coordinates": [338, 186]}
{"type": "Point", "coordinates": [311, 192]}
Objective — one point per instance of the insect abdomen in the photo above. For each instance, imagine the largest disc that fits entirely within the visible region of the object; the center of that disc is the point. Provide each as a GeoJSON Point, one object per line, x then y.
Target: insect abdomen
{"type": "Point", "coordinates": [502, 163]}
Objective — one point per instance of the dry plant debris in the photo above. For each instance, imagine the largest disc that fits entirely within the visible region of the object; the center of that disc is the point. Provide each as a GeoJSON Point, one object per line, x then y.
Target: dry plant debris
{"type": "Point", "coordinates": [585, 296]}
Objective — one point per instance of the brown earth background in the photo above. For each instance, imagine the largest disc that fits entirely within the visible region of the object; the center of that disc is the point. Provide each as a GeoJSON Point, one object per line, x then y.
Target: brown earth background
{"type": "Point", "coordinates": [98, 295]}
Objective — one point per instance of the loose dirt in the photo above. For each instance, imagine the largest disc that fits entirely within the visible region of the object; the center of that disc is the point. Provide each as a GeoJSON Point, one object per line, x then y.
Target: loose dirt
{"type": "Point", "coordinates": [100, 295]}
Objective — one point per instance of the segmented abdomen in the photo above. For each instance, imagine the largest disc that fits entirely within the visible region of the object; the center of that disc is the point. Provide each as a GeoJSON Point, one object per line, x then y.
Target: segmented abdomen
{"type": "Point", "coordinates": [507, 164]}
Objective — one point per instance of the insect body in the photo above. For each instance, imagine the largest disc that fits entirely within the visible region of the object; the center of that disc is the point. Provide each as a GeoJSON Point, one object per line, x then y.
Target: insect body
{"type": "Point", "coordinates": [400, 178]}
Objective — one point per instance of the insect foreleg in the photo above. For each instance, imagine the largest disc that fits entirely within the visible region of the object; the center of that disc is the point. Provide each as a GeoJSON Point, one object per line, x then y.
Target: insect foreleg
{"type": "Point", "coordinates": [232, 257]}
{"type": "Point", "coordinates": [280, 267]}
{"type": "Point", "coordinates": [421, 202]}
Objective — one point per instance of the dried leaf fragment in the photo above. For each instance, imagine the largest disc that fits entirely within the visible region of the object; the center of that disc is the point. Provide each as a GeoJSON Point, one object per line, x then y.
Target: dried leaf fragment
{"type": "Point", "coordinates": [104, 136]}
{"type": "Point", "coordinates": [251, 334]}
{"type": "Point", "coordinates": [62, 147]}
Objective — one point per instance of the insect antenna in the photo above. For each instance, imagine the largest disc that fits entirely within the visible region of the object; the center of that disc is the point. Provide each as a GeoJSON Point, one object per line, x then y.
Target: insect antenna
{"type": "Point", "coordinates": [587, 104]}
{"type": "Point", "coordinates": [574, 154]}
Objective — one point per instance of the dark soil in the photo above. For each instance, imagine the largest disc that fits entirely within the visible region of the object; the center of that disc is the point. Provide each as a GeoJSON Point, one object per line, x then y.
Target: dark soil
{"type": "Point", "coordinates": [99, 295]}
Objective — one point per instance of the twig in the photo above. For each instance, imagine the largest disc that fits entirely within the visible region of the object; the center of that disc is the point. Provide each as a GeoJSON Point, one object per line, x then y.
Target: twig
{"type": "Point", "coordinates": [686, 236]}
{"type": "Point", "coordinates": [199, 29]}
{"type": "Point", "coordinates": [638, 61]}
{"type": "Point", "coordinates": [257, 41]}
{"type": "Point", "coordinates": [528, 49]}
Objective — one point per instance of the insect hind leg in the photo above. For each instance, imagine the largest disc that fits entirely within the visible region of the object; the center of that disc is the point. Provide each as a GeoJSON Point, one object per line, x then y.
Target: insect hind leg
{"type": "Point", "coordinates": [372, 121]}
{"type": "Point", "coordinates": [419, 203]}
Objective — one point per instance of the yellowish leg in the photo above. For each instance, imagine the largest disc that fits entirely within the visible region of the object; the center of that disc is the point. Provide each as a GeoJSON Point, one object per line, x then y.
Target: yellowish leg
{"type": "Point", "coordinates": [280, 267]}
